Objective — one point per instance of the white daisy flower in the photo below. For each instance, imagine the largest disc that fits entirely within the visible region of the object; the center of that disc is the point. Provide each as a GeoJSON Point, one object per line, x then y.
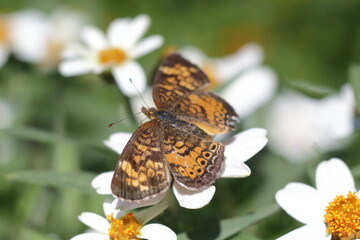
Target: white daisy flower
{"type": "Point", "coordinates": [300, 127]}
{"type": "Point", "coordinates": [29, 34]}
{"type": "Point", "coordinates": [249, 84]}
{"type": "Point", "coordinates": [241, 148]}
{"type": "Point", "coordinates": [34, 37]}
{"type": "Point", "coordinates": [65, 25]}
{"type": "Point", "coordinates": [124, 226]}
{"type": "Point", "coordinates": [5, 43]}
{"type": "Point", "coordinates": [116, 52]}
{"type": "Point", "coordinates": [329, 211]}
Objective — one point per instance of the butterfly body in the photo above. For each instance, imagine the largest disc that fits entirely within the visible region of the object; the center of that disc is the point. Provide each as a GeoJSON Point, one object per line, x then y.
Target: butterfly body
{"type": "Point", "coordinates": [176, 143]}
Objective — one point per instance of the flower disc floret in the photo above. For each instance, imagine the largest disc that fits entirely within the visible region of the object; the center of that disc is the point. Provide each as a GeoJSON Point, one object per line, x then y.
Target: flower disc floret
{"type": "Point", "coordinates": [111, 56]}
{"type": "Point", "coordinates": [343, 217]}
{"type": "Point", "coordinates": [126, 228]}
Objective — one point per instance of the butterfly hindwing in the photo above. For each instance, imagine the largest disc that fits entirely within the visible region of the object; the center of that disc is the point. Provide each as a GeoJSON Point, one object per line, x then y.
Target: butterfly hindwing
{"type": "Point", "coordinates": [141, 172]}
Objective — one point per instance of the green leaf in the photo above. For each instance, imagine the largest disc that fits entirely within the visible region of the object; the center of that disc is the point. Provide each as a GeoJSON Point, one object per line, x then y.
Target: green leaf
{"type": "Point", "coordinates": [310, 89]}
{"type": "Point", "coordinates": [79, 181]}
{"type": "Point", "coordinates": [244, 236]}
{"type": "Point", "coordinates": [228, 227]}
{"type": "Point", "coordinates": [354, 77]}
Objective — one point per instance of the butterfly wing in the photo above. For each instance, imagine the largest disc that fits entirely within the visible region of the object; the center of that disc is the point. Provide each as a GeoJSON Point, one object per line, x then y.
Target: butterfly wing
{"type": "Point", "coordinates": [195, 159]}
{"type": "Point", "coordinates": [207, 111]}
{"type": "Point", "coordinates": [141, 172]}
{"type": "Point", "coordinates": [178, 87]}
{"type": "Point", "coordinates": [175, 79]}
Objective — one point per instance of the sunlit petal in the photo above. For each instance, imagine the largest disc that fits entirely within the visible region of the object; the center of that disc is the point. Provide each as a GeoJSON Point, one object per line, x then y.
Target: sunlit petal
{"type": "Point", "coordinates": [102, 182]}
{"type": "Point", "coordinates": [328, 184]}
{"type": "Point", "coordinates": [311, 232]}
{"type": "Point", "coordinates": [94, 221]}
{"type": "Point", "coordinates": [147, 45]}
{"type": "Point", "coordinates": [192, 199]}
{"type": "Point", "coordinates": [117, 141]}
{"type": "Point", "coordinates": [130, 70]}
{"type": "Point", "coordinates": [302, 202]}
{"type": "Point", "coordinates": [156, 231]}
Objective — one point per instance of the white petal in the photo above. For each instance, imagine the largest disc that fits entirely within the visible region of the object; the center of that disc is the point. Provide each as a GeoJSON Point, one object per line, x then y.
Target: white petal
{"type": "Point", "coordinates": [333, 177]}
{"type": "Point", "coordinates": [94, 38]}
{"type": "Point", "coordinates": [130, 70]}
{"type": "Point", "coordinates": [193, 199]}
{"type": "Point", "coordinates": [74, 67]}
{"type": "Point", "coordinates": [118, 31]}
{"type": "Point", "coordinates": [251, 90]}
{"type": "Point", "coordinates": [107, 207]}
{"type": "Point", "coordinates": [117, 141]}
{"type": "Point", "coordinates": [91, 236]}
{"type": "Point", "coordinates": [94, 221]}
{"type": "Point", "coordinates": [195, 55]}
{"type": "Point", "coordinates": [235, 169]}
{"type": "Point", "coordinates": [126, 33]}
{"type": "Point", "coordinates": [157, 231]}
{"type": "Point", "coordinates": [147, 45]}
{"type": "Point", "coordinates": [124, 205]}
{"type": "Point", "coordinates": [309, 232]}
{"type": "Point", "coordinates": [249, 55]}
{"type": "Point", "coordinates": [102, 183]}
{"type": "Point", "coordinates": [139, 26]}
{"type": "Point", "coordinates": [75, 50]}
{"type": "Point", "coordinates": [302, 202]}
{"type": "Point", "coordinates": [30, 34]}
{"type": "Point", "coordinates": [145, 215]}
{"type": "Point", "coordinates": [244, 145]}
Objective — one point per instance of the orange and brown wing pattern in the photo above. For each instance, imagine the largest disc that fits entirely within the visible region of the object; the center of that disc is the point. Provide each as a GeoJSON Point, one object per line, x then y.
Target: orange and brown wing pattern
{"type": "Point", "coordinates": [175, 79]}
{"type": "Point", "coordinates": [207, 111]}
{"type": "Point", "coordinates": [141, 172]}
{"type": "Point", "coordinates": [195, 159]}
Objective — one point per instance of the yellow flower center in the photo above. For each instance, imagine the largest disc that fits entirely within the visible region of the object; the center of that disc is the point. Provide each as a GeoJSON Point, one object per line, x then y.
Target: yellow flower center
{"type": "Point", "coordinates": [3, 30]}
{"type": "Point", "coordinates": [343, 217]}
{"type": "Point", "coordinates": [112, 56]}
{"type": "Point", "coordinates": [126, 228]}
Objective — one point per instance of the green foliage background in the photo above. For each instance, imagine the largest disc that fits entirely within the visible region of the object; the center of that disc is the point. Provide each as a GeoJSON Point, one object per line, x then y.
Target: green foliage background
{"type": "Point", "coordinates": [61, 122]}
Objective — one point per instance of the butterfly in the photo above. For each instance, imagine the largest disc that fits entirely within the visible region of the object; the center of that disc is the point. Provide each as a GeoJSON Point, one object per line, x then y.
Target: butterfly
{"type": "Point", "coordinates": [176, 143]}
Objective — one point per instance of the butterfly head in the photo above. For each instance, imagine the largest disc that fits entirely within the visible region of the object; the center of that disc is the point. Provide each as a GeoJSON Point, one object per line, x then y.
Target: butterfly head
{"type": "Point", "coordinates": [149, 112]}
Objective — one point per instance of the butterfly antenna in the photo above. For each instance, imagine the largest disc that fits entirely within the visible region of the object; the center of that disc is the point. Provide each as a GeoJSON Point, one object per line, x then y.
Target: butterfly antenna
{"type": "Point", "coordinates": [122, 119]}
{"type": "Point", "coordinates": [137, 90]}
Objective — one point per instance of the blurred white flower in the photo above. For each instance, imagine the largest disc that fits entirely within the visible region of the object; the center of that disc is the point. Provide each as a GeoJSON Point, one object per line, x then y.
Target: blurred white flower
{"type": "Point", "coordinates": [124, 226]}
{"type": "Point", "coordinates": [116, 52]}
{"type": "Point", "coordinates": [65, 25]}
{"type": "Point", "coordinates": [300, 126]}
{"type": "Point", "coordinates": [248, 84]}
{"type": "Point", "coordinates": [39, 39]}
{"type": "Point", "coordinates": [329, 211]}
{"type": "Point", "coordinates": [5, 43]}
{"type": "Point", "coordinates": [237, 150]}
{"type": "Point", "coordinates": [29, 34]}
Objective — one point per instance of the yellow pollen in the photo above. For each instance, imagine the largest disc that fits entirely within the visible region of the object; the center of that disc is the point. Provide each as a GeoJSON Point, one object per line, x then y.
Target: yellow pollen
{"type": "Point", "coordinates": [343, 217]}
{"type": "Point", "coordinates": [126, 228]}
{"type": "Point", "coordinates": [3, 30]}
{"type": "Point", "coordinates": [112, 56]}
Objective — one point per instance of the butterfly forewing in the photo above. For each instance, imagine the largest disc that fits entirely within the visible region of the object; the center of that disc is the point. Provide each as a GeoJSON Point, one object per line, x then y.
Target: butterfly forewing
{"type": "Point", "coordinates": [175, 79]}
{"type": "Point", "coordinates": [207, 111]}
{"type": "Point", "coordinates": [141, 172]}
